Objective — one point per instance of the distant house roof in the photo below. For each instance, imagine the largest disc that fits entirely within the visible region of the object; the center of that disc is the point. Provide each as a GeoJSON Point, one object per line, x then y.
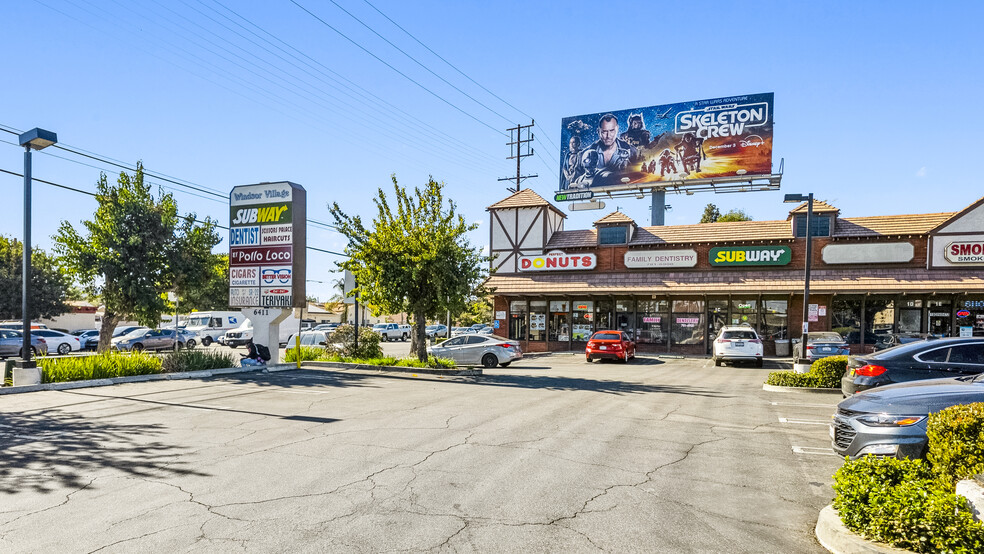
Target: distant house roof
{"type": "Point", "coordinates": [819, 207]}
{"type": "Point", "coordinates": [615, 217]}
{"type": "Point", "coordinates": [525, 198]}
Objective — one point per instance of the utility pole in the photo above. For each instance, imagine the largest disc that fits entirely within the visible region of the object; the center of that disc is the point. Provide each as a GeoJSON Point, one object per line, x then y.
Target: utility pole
{"type": "Point", "coordinates": [516, 152]}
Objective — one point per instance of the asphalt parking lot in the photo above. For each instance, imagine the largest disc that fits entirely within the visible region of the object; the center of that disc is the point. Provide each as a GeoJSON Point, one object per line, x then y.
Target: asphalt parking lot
{"type": "Point", "coordinates": [550, 454]}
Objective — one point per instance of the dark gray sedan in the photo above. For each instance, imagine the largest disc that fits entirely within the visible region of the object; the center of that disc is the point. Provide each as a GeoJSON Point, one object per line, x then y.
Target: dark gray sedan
{"type": "Point", "coordinates": [926, 359]}
{"type": "Point", "coordinates": [891, 420]}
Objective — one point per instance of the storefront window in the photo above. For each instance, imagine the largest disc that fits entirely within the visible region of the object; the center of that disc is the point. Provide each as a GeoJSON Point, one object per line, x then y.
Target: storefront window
{"type": "Point", "coordinates": [538, 320]}
{"type": "Point", "coordinates": [845, 315]}
{"type": "Point", "coordinates": [910, 316]}
{"type": "Point", "coordinates": [652, 321]}
{"type": "Point", "coordinates": [744, 311]}
{"type": "Point", "coordinates": [775, 323]}
{"type": "Point", "coordinates": [970, 317]}
{"type": "Point", "coordinates": [939, 318]}
{"type": "Point", "coordinates": [625, 316]}
{"type": "Point", "coordinates": [517, 320]}
{"type": "Point", "coordinates": [582, 324]}
{"type": "Point", "coordinates": [559, 324]}
{"type": "Point", "coordinates": [603, 315]}
{"type": "Point", "coordinates": [687, 322]}
{"type": "Point", "coordinates": [879, 318]}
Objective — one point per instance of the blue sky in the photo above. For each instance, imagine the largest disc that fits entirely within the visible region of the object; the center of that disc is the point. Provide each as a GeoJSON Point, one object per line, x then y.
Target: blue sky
{"type": "Point", "coordinates": [874, 101]}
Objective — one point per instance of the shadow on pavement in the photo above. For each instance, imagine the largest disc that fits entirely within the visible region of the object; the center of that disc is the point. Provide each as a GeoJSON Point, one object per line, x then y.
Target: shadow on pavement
{"type": "Point", "coordinates": [48, 450]}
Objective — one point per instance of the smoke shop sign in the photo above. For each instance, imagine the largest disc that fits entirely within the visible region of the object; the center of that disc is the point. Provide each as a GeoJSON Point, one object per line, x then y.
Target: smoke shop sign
{"type": "Point", "coordinates": [965, 252]}
{"type": "Point", "coordinates": [557, 261]}
{"type": "Point", "coordinates": [660, 258]}
{"type": "Point", "coordinates": [750, 255]}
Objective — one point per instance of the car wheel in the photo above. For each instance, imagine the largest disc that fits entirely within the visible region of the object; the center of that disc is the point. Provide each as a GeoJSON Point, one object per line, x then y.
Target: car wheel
{"type": "Point", "coordinates": [137, 347]}
{"type": "Point", "coordinates": [64, 348]}
{"type": "Point", "coordinates": [504, 364]}
{"type": "Point", "coordinates": [181, 345]}
{"type": "Point", "coordinates": [718, 362]}
{"type": "Point", "coordinates": [190, 344]}
{"type": "Point", "coordinates": [588, 359]}
{"type": "Point", "coordinates": [206, 340]}
{"type": "Point", "coordinates": [34, 352]}
{"type": "Point", "coordinates": [759, 362]}
{"type": "Point", "coordinates": [489, 361]}
{"type": "Point", "coordinates": [404, 338]}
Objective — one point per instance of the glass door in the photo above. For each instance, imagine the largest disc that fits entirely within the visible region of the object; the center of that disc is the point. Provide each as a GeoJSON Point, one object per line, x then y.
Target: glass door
{"type": "Point", "coordinates": [717, 317]}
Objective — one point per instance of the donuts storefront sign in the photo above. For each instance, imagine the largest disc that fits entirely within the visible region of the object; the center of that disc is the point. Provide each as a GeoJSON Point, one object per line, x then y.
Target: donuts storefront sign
{"type": "Point", "coordinates": [557, 261]}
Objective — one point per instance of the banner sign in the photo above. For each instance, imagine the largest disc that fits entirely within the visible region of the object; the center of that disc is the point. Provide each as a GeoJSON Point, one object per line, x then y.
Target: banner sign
{"type": "Point", "coordinates": [965, 252]}
{"type": "Point", "coordinates": [750, 255]}
{"type": "Point", "coordinates": [660, 258]}
{"type": "Point", "coordinates": [688, 141]}
{"type": "Point", "coordinates": [557, 261]}
{"type": "Point", "coordinates": [267, 245]}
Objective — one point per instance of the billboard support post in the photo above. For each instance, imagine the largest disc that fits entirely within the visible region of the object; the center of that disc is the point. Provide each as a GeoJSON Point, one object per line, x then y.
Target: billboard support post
{"type": "Point", "coordinates": [659, 207]}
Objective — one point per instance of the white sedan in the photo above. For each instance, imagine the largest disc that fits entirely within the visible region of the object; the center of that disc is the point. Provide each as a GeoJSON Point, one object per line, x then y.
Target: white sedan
{"type": "Point", "coordinates": [63, 343]}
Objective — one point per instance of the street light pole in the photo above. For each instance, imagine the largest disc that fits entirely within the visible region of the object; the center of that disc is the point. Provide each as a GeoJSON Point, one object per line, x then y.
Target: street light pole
{"type": "Point", "coordinates": [35, 139]}
{"type": "Point", "coordinates": [808, 198]}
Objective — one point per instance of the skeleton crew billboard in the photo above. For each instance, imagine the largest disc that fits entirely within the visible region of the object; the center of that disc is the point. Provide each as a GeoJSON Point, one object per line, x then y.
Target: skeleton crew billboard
{"type": "Point", "coordinates": [267, 245]}
{"type": "Point", "coordinates": [721, 137]}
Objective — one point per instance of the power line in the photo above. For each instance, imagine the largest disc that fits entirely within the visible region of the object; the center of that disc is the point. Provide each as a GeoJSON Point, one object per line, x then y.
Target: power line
{"type": "Point", "coordinates": [404, 75]}
{"type": "Point", "coordinates": [94, 195]}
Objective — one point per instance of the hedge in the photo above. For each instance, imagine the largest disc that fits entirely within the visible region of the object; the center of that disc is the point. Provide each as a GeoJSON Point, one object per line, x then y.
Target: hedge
{"type": "Point", "coordinates": [824, 373]}
{"type": "Point", "coordinates": [99, 366]}
{"type": "Point", "coordinates": [342, 342]}
{"type": "Point", "coordinates": [912, 503]}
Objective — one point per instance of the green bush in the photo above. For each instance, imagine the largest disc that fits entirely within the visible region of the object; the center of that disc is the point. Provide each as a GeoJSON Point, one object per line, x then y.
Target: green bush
{"type": "Point", "coordinates": [342, 342]}
{"type": "Point", "coordinates": [100, 366]}
{"type": "Point", "coordinates": [196, 360]}
{"type": "Point", "coordinates": [409, 361]}
{"type": "Point", "coordinates": [901, 503]}
{"type": "Point", "coordinates": [824, 373]}
{"type": "Point", "coordinates": [956, 442]}
{"type": "Point", "coordinates": [307, 353]}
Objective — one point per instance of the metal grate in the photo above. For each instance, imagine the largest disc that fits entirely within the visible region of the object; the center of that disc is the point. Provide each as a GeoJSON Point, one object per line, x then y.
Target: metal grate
{"type": "Point", "coordinates": [843, 434]}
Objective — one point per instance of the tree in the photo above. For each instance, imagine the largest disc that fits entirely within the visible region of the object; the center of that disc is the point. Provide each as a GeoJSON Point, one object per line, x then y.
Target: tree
{"type": "Point", "coordinates": [134, 250]}
{"type": "Point", "coordinates": [50, 284]}
{"type": "Point", "coordinates": [212, 292]}
{"type": "Point", "coordinates": [735, 215]}
{"type": "Point", "coordinates": [711, 214]}
{"type": "Point", "coordinates": [414, 259]}
{"type": "Point", "coordinates": [478, 310]}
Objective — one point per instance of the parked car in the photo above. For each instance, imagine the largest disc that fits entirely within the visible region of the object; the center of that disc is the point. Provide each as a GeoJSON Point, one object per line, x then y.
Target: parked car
{"type": "Point", "coordinates": [890, 340]}
{"type": "Point", "coordinates": [820, 345]}
{"type": "Point", "coordinates": [392, 331]}
{"type": "Point", "coordinates": [486, 331]}
{"type": "Point", "coordinates": [329, 327]}
{"type": "Point", "coordinates": [149, 339]}
{"type": "Point", "coordinates": [92, 341]}
{"type": "Point", "coordinates": [455, 331]}
{"type": "Point", "coordinates": [472, 349]}
{"type": "Point", "coordinates": [609, 345]}
{"type": "Point", "coordinates": [927, 359]}
{"type": "Point", "coordinates": [434, 331]}
{"type": "Point", "coordinates": [12, 341]}
{"type": "Point", "coordinates": [891, 420]}
{"type": "Point", "coordinates": [312, 338]}
{"type": "Point", "coordinates": [63, 343]}
{"type": "Point", "coordinates": [17, 325]}
{"type": "Point", "coordinates": [83, 332]}
{"type": "Point", "coordinates": [738, 344]}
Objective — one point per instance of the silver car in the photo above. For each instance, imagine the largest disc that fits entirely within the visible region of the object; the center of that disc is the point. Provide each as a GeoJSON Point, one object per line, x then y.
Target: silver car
{"type": "Point", "coordinates": [473, 349]}
{"type": "Point", "coordinates": [11, 342]}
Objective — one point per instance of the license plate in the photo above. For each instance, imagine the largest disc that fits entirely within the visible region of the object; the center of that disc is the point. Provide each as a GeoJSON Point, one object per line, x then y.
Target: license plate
{"type": "Point", "coordinates": [831, 429]}
{"type": "Point", "coordinates": [739, 345]}
{"type": "Point", "coordinates": [826, 349]}
{"type": "Point", "coordinates": [602, 348]}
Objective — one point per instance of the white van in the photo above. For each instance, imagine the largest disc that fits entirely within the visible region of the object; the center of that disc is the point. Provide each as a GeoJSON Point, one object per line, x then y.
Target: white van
{"type": "Point", "coordinates": [209, 326]}
{"type": "Point", "coordinates": [238, 336]}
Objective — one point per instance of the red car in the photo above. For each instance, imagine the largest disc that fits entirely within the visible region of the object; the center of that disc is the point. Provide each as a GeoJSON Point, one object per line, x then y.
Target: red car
{"type": "Point", "coordinates": [610, 345]}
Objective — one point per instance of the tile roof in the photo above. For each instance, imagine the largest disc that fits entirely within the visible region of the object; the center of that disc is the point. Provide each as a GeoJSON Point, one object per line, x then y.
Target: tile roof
{"type": "Point", "coordinates": [743, 231]}
{"type": "Point", "coordinates": [615, 217]}
{"type": "Point", "coordinates": [525, 198]}
{"type": "Point", "coordinates": [819, 207]}
{"type": "Point", "coordinates": [751, 281]}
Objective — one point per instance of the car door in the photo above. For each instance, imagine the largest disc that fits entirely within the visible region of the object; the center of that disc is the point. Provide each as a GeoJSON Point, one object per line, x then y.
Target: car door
{"type": "Point", "coordinates": [8, 346]}
{"type": "Point", "coordinates": [449, 348]}
{"type": "Point", "coordinates": [473, 349]}
{"type": "Point", "coordinates": [929, 364]}
{"type": "Point", "coordinates": [966, 359]}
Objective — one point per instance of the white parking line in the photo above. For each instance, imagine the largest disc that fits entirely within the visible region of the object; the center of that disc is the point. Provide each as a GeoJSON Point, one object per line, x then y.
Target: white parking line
{"type": "Point", "coordinates": [814, 451]}
{"type": "Point", "coordinates": [803, 421]}
{"type": "Point", "coordinates": [798, 405]}
{"type": "Point", "coordinates": [308, 391]}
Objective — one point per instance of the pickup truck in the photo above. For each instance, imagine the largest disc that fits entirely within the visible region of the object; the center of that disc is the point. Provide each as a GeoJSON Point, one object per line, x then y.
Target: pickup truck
{"type": "Point", "coordinates": [392, 331]}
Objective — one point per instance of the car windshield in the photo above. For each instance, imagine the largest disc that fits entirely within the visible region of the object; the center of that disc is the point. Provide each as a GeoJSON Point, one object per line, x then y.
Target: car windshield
{"type": "Point", "coordinates": [136, 333]}
{"type": "Point", "coordinates": [741, 335]}
{"type": "Point", "coordinates": [826, 337]}
{"type": "Point", "coordinates": [606, 336]}
{"type": "Point", "coordinates": [379, 326]}
{"type": "Point", "coordinates": [197, 321]}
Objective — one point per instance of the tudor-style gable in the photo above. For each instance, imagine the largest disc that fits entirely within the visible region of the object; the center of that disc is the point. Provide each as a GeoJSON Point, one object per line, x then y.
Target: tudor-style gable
{"type": "Point", "coordinates": [521, 225]}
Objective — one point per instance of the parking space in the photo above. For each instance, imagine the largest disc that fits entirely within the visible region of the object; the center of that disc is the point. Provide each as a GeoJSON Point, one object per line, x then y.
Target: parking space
{"type": "Point", "coordinates": [653, 455]}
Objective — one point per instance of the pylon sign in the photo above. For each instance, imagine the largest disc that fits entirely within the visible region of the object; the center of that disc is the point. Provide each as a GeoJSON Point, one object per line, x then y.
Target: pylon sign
{"type": "Point", "coordinates": [268, 245]}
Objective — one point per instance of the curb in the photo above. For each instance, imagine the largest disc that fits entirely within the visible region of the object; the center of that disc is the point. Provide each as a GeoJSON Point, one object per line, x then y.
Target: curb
{"type": "Point", "coordinates": [837, 538]}
{"type": "Point", "coordinates": [777, 388]}
{"type": "Point", "coordinates": [426, 370]}
{"type": "Point", "coordinates": [91, 383]}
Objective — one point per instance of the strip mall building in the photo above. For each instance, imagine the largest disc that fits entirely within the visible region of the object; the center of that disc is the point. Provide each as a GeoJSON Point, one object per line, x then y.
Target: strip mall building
{"type": "Point", "coordinates": [672, 287]}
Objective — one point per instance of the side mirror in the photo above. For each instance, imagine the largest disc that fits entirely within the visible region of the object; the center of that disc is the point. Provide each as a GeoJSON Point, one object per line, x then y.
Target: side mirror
{"type": "Point", "coordinates": [323, 343]}
{"type": "Point", "coordinates": [147, 334]}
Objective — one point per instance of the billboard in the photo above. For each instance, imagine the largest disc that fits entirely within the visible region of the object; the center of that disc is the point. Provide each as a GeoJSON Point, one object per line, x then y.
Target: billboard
{"type": "Point", "coordinates": [267, 245]}
{"type": "Point", "coordinates": [689, 141]}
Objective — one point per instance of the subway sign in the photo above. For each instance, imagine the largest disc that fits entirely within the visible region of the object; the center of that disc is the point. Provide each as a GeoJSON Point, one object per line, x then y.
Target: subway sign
{"type": "Point", "coordinates": [750, 255]}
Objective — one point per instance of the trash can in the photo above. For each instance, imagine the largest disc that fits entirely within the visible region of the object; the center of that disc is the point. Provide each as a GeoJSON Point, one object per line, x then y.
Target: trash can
{"type": "Point", "coordinates": [782, 347]}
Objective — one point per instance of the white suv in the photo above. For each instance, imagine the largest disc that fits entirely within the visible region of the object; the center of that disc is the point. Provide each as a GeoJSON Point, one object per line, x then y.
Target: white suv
{"type": "Point", "coordinates": [738, 344]}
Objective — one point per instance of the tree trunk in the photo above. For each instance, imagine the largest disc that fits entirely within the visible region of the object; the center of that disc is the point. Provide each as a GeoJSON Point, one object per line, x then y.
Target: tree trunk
{"type": "Point", "coordinates": [420, 335]}
{"type": "Point", "coordinates": [109, 322]}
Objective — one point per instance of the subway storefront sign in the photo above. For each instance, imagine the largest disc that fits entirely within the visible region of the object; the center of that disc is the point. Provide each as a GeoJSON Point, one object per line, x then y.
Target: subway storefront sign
{"type": "Point", "coordinates": [750, 255]}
